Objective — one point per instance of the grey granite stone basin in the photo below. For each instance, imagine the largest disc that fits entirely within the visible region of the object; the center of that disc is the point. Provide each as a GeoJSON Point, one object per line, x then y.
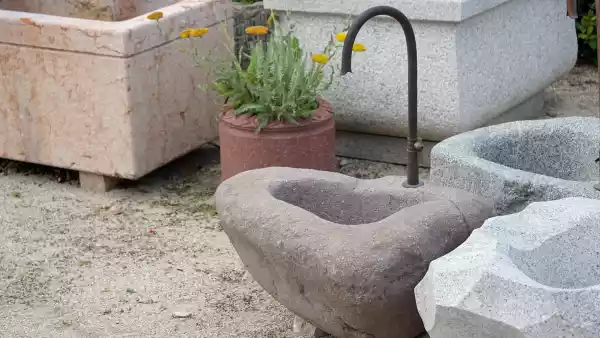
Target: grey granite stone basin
{"type": "Point", "coordinates": [531, 274]}
{"type": "Point", "coordinates": [342, 253]}
{"type": "Point", "coordinates": [517, 163]}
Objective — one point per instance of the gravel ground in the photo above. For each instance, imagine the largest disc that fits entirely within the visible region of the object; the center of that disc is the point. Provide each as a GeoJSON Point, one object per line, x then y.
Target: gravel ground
{"type": "Point", "coordinates": [124, 264]}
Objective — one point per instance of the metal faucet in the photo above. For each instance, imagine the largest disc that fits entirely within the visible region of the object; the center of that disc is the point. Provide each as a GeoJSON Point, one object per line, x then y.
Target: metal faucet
{"type": "Point", "coordinates": [414, 145]}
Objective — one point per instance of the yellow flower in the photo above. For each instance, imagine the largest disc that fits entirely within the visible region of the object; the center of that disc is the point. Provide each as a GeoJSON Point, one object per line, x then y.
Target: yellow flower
{"type": "Point", "coordinates": [155, 16]}
{"type": "Point", "coordinates": [320, 58]}
{"type": "Point", "coordinates": [257, 30]}
{"type": "Point", "coordinates": [198, 32]}
{"type": "Point", "coordinates": [359, 47]}
{"type": "Point", "coordinates": [341, 37]}
{"type": "Point", "coordinates": [185, 33]}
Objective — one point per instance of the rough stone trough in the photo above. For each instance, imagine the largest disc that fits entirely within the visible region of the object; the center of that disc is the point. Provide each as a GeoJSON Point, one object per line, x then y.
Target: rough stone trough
{"type": "Point", "coordinates": [342, 253]}
{"type": "Point", "coordinates": [517, 163]}
{"type": "Point", "coordinates": [531, 274]}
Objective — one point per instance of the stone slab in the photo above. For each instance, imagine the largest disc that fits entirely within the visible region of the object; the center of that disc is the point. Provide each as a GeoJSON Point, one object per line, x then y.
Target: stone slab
{"type": "Point", "coordinates": [469, 72]}
{"type": "Point", "coordinates": [342, 253]}
{"type": "Point", "coordinates": [378, 148]}
{"type": "Point", "coordinates": [517, 163]}
{"type": "Point", "coordinates": [114, 98]}
{"type": "Point", "coordinates": [529, 275]}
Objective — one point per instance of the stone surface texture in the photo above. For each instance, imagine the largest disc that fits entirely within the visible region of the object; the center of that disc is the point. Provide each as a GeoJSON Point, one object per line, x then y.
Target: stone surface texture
{"type": "Point", "coordinates": [344, 254]}
{"type": "Point", "coordinates": [112, 98]}
{"type": "Point", "coordinates": [97, 183]}
{"type": "Point", "coordinates": [527, 275]}
{"type": "Point", "coordinates": [517, 163]}
{"type": "Point", "coordinates": [392, 149]}
{"type": "Point", "coordinates": [107, 10]}
{"type": "Point", "coordinates": [476, 60]}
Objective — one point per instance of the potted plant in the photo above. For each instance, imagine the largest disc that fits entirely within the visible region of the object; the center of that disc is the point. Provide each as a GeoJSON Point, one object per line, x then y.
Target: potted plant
{"type": "Point", "coordinates": [274, 114]}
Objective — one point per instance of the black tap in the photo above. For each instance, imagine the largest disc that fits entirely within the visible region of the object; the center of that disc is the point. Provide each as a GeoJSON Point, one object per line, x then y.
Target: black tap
{"type": "Point", "coordinates": [414, 146]}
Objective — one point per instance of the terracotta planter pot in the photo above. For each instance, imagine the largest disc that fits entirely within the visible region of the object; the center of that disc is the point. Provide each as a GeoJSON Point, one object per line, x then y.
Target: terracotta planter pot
{"type": "Point", "coordinates": [309, 145]}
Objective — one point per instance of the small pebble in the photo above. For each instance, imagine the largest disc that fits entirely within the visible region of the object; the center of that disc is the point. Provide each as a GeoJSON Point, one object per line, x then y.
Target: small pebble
{"type": "Point", "coordinates": [145, 301]}
{"type": "Point", "coordinates": [182, 315]}
{"type": "Point", "coordinates": [115, 210]}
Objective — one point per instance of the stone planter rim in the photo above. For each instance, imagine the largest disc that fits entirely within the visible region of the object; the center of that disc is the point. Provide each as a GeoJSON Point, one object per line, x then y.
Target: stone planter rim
{"type": "Point", "coordinates": [124, 38]}
{"type": "Point", "coordinates": [469, 157]}
{"type": "Point", "coordinates": [421, 10]}
{"type": "Point", "coordinates": [323, 114]}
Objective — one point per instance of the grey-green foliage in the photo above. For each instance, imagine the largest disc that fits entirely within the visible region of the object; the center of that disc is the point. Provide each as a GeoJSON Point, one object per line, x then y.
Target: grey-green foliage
{"type": "Point", "coordinates": [281, 83]}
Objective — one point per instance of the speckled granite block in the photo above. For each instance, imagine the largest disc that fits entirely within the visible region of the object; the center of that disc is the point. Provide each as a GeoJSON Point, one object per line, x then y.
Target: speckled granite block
{"type": "Point", "coordinates": [520, 162]}
{"type": "Point", "coordinates": [532, 274]}
{"type": "Point", "coordinates": [114, 98]}
{"type": "Point", "coordinates": [477, 59]}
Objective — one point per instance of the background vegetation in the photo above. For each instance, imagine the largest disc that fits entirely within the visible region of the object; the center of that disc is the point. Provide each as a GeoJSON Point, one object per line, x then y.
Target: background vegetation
{"type": "Point", "coordinates": [586, 32]}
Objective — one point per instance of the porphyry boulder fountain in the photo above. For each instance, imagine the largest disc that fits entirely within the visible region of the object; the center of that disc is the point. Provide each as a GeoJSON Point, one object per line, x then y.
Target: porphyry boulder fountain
{"type": "Point", "coordinates": [342, 253]}
{"type": "Point", "coordinates": [517, 163]}
{"type": "Point", "coordinates": [529, 275]}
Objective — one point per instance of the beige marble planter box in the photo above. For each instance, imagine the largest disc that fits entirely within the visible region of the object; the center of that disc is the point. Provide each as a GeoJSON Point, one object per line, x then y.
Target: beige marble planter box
{"type": "Point", "coordinates": [96, 87]}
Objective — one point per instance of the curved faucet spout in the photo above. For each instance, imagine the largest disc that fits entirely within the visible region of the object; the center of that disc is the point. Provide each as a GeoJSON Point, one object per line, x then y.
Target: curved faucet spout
{"type": "Point", "coordinates": [413, 145]}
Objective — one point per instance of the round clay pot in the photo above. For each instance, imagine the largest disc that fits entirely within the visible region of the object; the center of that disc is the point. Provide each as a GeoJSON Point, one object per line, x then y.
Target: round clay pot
{"type": "Point", "coordinates": [310, 144]}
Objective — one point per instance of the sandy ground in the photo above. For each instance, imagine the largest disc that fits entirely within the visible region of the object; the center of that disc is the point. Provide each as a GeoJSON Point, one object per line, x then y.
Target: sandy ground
{"type": "Point", "coordinates": [123, 264]}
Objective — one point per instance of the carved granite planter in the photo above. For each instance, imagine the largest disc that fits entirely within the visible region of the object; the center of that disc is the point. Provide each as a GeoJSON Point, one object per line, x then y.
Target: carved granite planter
{"type": "Point", "coordinates": [100, 88]}
{"type": "Point", "coordinates": [344, 254]}
{"type": "Point", "coordinates": [516, 163]}
{"type": "Point", "coordinates": [462, 45]}
{"type": "Point", "coordinates": [529, 275]}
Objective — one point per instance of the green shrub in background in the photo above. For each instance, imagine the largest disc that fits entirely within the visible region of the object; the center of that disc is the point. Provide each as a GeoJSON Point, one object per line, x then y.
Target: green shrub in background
{"type": "Point", "coordinates": [586, 32]}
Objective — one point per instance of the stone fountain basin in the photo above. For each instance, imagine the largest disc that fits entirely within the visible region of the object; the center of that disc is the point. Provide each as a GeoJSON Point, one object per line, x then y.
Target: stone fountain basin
{"type": "Point", "coordinates": [344, 254]}
{"type": "Point", "coordinates": [95, 86]}
{"type": "Point", "coordinates": [520, 162]}
{"type": "Point", "coordinates": [532, 274]}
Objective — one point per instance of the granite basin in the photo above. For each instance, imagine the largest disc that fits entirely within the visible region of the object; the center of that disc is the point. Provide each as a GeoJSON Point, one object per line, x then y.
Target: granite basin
{"type": "Point", "coordinates": [96, 87]}
{"type": "Point", "coordinates": [461, 45]}
{"type": "Point", "coordinates": [517, 163]}
{"type": "Point", "coordinates": [342, 253]}
{"type": "Point", "coordinates": [528, 275]}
